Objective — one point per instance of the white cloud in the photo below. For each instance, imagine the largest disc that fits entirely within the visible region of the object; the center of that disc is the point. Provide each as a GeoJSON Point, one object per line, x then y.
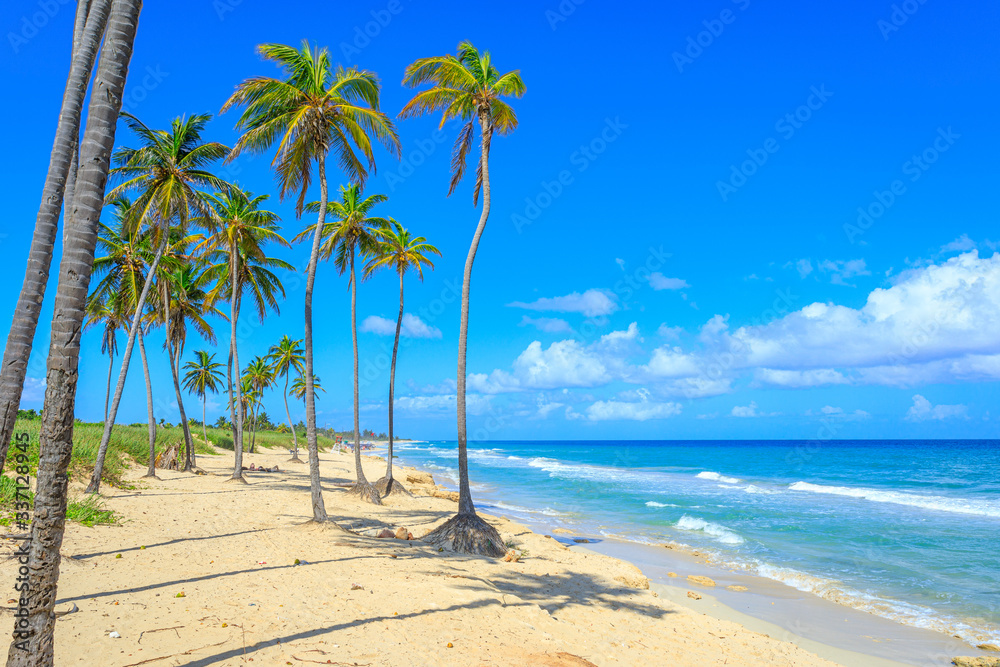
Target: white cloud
{"type": "Point", "coordinates": [592, 303]}
{"type": "Point", "coordinates": [660, 282]}
{"type": "Point", "coordinates": [840, 271]}
{"type": "Point", "coordinates": [475, 404]}
{"type": "Point", "coordinates": [34, 390]}
{"type": "Point", "coordinates": [922, 410]}
{"type": "Point", "coordinates": [620, 262]}
{"type": "Point", "coordinates": [633, 411]}
{"type": "Point", "coordinates": [962, 244]}
{"type": "Point", "coordinates": [668, 332]}
{"type": "Point", "coordinates": [804, 267]}
{"type": "Point", "coordinates": [750, 411]}
{"type": "Point", "coordinates": [411, 327]}
{"type": "Point", "coordinates": [797, 379]}
{"type": "Point", "coordinates": [546, 324]}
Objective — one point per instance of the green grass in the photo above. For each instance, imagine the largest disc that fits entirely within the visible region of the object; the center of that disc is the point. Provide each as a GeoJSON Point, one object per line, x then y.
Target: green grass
{"type": "Point", "coordinates": [130, 443]}
{"type": "Point", "coordinates": [88, 511]}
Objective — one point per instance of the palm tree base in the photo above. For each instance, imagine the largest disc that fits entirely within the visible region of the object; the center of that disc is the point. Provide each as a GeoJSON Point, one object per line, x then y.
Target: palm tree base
{"type": "Point", "coordinates": [468, 533]}
{"type": "Point", "coordinates": [235, 480]}
{"type": "Point", "coordinates": [389, 486]}
{"type": "Point", "coordinates": [295, 459]}
{"type": "Point", "coordinates": [91, 487]}
{"type": "Point", "coordinates": [149, 475]}
{"type": "Point", "coordinates": [366, 491]}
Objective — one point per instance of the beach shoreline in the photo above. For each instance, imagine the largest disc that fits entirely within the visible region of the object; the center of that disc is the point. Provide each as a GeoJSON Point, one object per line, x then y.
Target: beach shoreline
{"type": "Point", "coordinates": [206, 573]}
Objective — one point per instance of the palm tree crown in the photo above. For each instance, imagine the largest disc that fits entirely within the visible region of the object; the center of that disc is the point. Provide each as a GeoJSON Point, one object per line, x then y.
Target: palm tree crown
{"type": "Point", "coordinates": [203, 374]}
{"type": "Point", "coordinates": [352, 230]}
{"type": "Point", "coordinates": [315, 110]}
{"type": "Point", "coordinates": [469, 87]}
{"type": "Point", "coordinates": [401, 251]}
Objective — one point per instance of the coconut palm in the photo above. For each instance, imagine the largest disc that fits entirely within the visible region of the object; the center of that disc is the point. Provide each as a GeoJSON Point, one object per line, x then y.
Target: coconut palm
{"type": "Point", "coordinates": [353, 232]}
{"type": "Point", "coordinates": [312, 112]}
{"type": "Point", "coordinates": [466, 86]}
{"type": "Point", "coordinates": [91, 19]}
{"type": "Point", "coordinates": [34, 643]}
{"type": "Point", "coordinates": [261, 376]}
{"type": "Point", "coordinates": [164, 172]}
{"type": "Point", "coordinates": [401, 252]}
{"type": "Point", "coordinates": [99, 312]}
{"type": "Point", "coordinates": [185, 300]}
{"type": "Point", "coordinates": [298, 387]}
{"type": "Point", "coordinates": [286, 357]}
{"type": "Point", "coordinates": [203, 376]}
{"type": "Point", "coordinates": [238, 232]}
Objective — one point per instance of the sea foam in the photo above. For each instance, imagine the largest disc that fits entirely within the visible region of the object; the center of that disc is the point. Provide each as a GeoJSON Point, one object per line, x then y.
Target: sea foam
{"type": "Point", "coordinates": [716, 477]}
{"type": "Point", "coordinates": [720, 533]}
{"type": "Point", "coordinates": [937, 503]}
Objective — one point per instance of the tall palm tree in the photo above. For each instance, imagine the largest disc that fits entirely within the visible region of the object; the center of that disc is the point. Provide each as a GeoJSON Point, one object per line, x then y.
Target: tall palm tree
{"type": "Point", "coordinates": [286, 357]}
{"type": "Point", "coordinates": [51, 498]}
{"type": "Point", "coordinates": [312, 111]}
{"type": "Point", "coordinates": [203, 376]}
{"type": "Point", "coordinates": [91, 20]}
{"type": "Point", "coordinates": [352, 232]}
{"type": "Point", "coordinates": [164, 172]}
{"type": "Point", "coordinates": [298, 387]}
{"type": "Point", "coordinates": [401, 252]}
{"type": "Point", "coordinates": [100, 312]}
{"type": "Point", "coordinates": [150, 415]}
{"type": "Point", "coordinates": [466, 86]}
{"type": "Point", "coordinates": [238, 231]}
{"type": "Point", "coordinates": [185, 299]}
{"type": "Point", "coordinates": [261, 376]}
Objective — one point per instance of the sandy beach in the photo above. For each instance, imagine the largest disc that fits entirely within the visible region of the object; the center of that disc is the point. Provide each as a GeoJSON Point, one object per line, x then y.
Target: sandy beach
{"type": "Point", "coordinates": [201, 572]}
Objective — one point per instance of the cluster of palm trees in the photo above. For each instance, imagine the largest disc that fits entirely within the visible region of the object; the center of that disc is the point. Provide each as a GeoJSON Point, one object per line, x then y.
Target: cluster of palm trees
{"type": "Point", "coordinates": [182, 241]}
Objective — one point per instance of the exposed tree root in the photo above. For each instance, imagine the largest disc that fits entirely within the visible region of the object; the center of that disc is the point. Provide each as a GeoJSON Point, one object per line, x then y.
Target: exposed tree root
{"type": "Point", "coordinates": [468, 534]}
{"type": "Point", "coordinates": [150, 476]}
{"type": "Point", "coordinates": [295, 459]}
{"type": "Point", "coordinates": [236, 480]}
{"type": "Point", "coordinates": [391, 487]}
{"type": "Point", "coordinates": [365, 491]}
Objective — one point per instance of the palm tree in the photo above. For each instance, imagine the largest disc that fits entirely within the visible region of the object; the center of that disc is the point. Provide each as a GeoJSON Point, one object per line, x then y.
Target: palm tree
{"type": "Point", "coordinates": [127, 252]}
{"type": "Point", "coordinates": [298, 387]}
{"type": "Point", "coordinates": [311, 112]}
{"type": "Point", "coordinates": [468, 87]}
{"type": "Point", "coordinates": [353, 232]}
{"type": "Point", "coordinates": [286, 357]}
{"type": "Point", "coordinates": [203, 376]}
{"type": "Point", "coordinates": [164, 172]}
{"type": "Point", "coordinates": [261, 376]}
{"type": "Point", "coordinates": [100, 312]}
{"type": "Point", "coordinates": [49, 516]}
{"type": "Point", "coordinates": [398, 250]}
{"type": "Point", "coordinates": [185, 299]}
{"type": "Point", "coordinates": [91, 19]}
{"type": "Point", "coordinates": [238, 230]}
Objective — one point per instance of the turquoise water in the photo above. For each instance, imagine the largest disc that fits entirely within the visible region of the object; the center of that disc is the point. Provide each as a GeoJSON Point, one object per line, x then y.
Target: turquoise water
{"type": "Point", "coordinates": [909, 530]}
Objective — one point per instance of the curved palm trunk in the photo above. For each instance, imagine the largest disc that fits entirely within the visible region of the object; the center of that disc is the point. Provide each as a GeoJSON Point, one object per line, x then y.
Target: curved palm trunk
{"type": "Point", "coordinates": [34, 645]}
{"type": "Point", "coordinates": [173, 354]}
{"type": "Point", "coordinates": [109, 420]}
{"type": "Point", "coordinates": [316, 490]}
{"type": "Point", "coordinates": [107, 392]}
{"type": "Point", "coordinates": [466, 531]}
{"type": "Point", "coordinates": [387, 485]}
{"type": "Point", "coordinates": [235, 405]}
{"type": "Point", "coordinates": [295, 438]}
{"type": "Point", "coordinates": [362, 487]}
{"type": "Point", "coordinates": [204, 425]}
{"type": "Point", "coordinates": [93, 16]}
{"type": "Point", "coordinates": [189, 450]}
{"type": "Point", "coordinates": [151, 472]}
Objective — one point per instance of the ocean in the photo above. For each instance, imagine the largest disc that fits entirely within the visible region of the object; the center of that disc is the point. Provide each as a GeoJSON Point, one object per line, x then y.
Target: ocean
{"type": "Point", "coordinates": [906, 529]}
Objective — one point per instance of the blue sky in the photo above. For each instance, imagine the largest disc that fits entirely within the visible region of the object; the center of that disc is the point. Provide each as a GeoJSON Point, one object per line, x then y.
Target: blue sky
{"type": "Point", "coordinates": [727, 219]}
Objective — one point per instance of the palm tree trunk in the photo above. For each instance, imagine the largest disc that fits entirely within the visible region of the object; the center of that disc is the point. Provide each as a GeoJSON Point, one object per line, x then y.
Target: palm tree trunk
{"type": "Point", "coordinates": [171, 358]}
{"type": "Point", "coordinates": [109, 421]}
{"type": "Point", "coordinates": [288, 413]}
{"type": "Point", "coordinates": [189, 456]}
{"type": "Point", "coordinates": [107, 393]}
{"type": "Point", "coordinates": [94, 16]}
{"type": "Point", "coordinates": [466, 532]}
{"type": "Point", "coordinates": [316, 490]}
{"type": "Point", "coordinates": [33, 643]}
{"type": "Point", "coordinates": [237, 405]}
{"type": "Point", "coordinates": [151, 472]}
{"type": "Point", "coordinates": [204, 425]}
{"type": "Point", "coordinates": [387, 485]}
{"type": "Point", "coordinates": [362, 487]}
